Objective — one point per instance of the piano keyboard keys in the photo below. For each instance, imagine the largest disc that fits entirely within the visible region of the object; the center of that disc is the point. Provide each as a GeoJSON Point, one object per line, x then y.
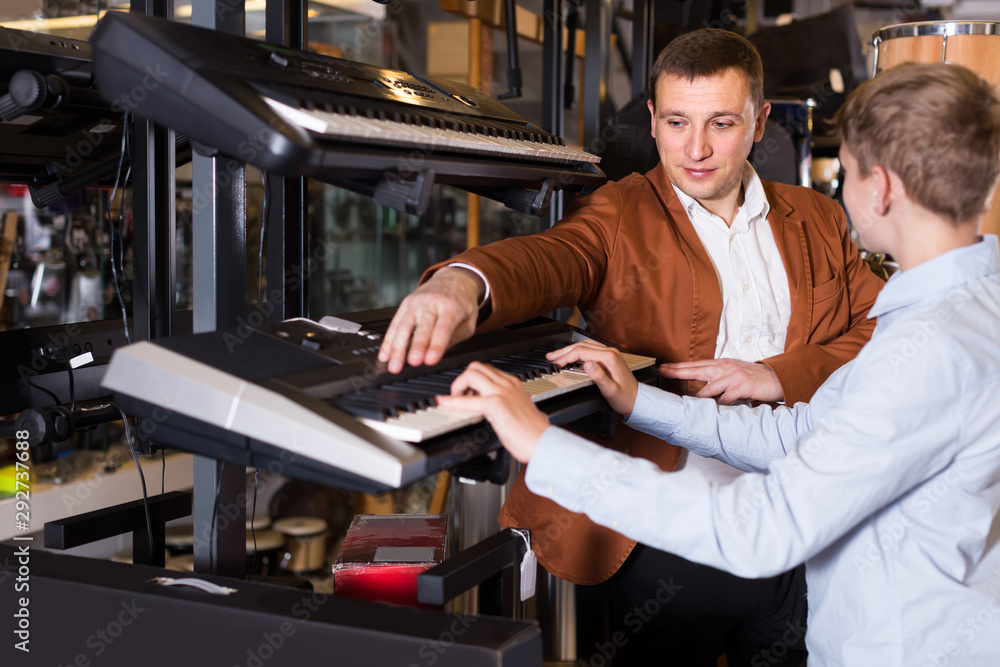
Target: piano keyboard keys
{"type": "Point", "coordinates": [393, 408]}
{"type": "Point", "coordinates": [349, 127]}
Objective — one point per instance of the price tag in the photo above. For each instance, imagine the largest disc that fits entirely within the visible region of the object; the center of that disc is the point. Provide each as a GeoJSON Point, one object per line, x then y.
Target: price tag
{"type": "Point", "coordinates": [529, 567]}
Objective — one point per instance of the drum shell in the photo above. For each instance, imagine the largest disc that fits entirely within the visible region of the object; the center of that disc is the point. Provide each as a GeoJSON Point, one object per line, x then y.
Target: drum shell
{"type": "Point", "coordinates": [265, 550]}
{"type": "Point", "coordinates": [973, 44]}
{"type": "Point", "coordinates": [305, 543]}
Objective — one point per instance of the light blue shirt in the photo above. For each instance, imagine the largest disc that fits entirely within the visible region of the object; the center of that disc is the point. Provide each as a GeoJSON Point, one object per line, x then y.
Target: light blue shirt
{"type": "Point", "coordinates": [886, 484]}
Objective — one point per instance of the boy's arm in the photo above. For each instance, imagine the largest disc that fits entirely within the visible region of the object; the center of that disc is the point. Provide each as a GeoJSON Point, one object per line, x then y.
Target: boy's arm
{"type": "Point", "coordinates": [865, 453]}
{"type": "Point", "coordinates": [744, 437]}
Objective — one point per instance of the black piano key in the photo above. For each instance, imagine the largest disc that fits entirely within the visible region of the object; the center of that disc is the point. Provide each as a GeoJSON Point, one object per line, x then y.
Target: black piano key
{"type": "Point", "coordinates": [431, 382]}
{"type": "Point", "coordinates": [398, 396]}
{"type": "Point", "coordinates": [367, 399]}
{"type": "Point", "coordinates": [522, 371]}
{"type": "Point", "coordinates": [534, 354]}
{"type": "Point", "coordinates": [399, 404]}
{"type": "Point", "coordinates": [407, 387]}
{"type": "Point", "coordinates": [539, 362]}
{"type": "Point", "coordinates": [364, 409]}
{"type": "Point", "coordinates": [410, 400]}
{"type": "Point", "coordinates": [416, 387]}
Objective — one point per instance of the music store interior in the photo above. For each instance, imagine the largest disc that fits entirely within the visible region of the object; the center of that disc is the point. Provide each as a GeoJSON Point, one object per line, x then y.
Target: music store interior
{"type": "Point", "coordinates": [209, 212]}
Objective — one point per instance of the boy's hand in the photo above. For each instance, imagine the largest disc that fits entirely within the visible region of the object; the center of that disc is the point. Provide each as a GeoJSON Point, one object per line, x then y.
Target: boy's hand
{"type": "Point", "coordinates": [499, 397]}
{"type": "Point", "coordinates": [606, 368]}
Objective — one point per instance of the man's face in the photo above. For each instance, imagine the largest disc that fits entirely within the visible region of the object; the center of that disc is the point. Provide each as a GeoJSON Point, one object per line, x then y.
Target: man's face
{"type": "Point", "coordinates": [704, 130]}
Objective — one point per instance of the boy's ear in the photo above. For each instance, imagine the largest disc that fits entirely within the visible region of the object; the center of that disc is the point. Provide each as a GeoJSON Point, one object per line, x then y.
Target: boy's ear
{"type": "Point", "coordinates": [883, 183]}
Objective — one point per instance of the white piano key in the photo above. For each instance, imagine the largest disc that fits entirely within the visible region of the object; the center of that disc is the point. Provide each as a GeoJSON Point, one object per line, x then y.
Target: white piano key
{"type": "Point", "coordinates": [384, 131]}
{"type": "Point", "coordinates": [431, 422]}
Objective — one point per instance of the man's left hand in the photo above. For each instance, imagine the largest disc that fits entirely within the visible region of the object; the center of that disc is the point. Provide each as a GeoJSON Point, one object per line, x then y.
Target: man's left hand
{"type": "Point", "coordinates": [728, 380]}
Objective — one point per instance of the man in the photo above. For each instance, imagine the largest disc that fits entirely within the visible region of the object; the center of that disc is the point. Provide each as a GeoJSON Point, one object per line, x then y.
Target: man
{"type": "Point", "coordinates": [701, 265]}
{"type": "Point", "coordinates": [887, 483]}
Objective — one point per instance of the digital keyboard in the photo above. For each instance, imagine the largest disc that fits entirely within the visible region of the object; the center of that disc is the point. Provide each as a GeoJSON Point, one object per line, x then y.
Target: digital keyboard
{"type": "Point", "coordinates": [313, 400]}
{"type": "Point", "coordinates": [408, 410]}
{"type": "Point", "coordinates": [386, 133]}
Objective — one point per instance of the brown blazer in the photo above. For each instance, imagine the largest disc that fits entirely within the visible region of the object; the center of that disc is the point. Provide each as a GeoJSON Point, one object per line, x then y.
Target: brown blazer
{"type": "Point", "coordinates": [629, 257]}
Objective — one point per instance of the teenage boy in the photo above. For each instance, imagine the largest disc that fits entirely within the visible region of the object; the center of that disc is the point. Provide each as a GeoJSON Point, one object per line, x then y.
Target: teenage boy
{"type": "Point", "coordinates": [887, 483]}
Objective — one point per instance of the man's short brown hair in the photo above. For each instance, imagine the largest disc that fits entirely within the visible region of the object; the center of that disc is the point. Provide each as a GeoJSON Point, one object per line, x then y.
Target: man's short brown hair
{"type": "Point", "coordinates": [708, 52]}
{"type": "Point", "coordinates": [937, 126]}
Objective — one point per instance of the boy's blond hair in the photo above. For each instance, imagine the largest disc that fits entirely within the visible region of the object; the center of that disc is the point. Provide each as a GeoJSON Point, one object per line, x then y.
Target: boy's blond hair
{"type": "Point", "coordinates": [937, 126]}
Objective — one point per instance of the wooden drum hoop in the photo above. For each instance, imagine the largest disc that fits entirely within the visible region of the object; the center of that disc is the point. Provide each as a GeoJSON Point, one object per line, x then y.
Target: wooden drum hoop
{"type": "Point", "coordinates": [973, 44]}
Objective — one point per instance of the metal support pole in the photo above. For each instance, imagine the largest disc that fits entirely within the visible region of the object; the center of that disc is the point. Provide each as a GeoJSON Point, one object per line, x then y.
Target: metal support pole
{"type": "Point", "coordinates": [153, 216]}
{"type": "Point", "coordinates": [642, 45]}
{"type": "Point", "coordinates": [286, 231]}
{"type": "Point", "coordinates": [595, 65]}
{"type": "Point", "coordinates": [553, 71]}
{"type": "Point", "coordinates": [219, 253]}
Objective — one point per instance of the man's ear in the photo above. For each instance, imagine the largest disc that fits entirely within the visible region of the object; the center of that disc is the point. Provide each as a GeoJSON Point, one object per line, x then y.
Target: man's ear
{"type": "Point", "coordinates": [758, 132]}
{"type": "Point", "coordinates": [652, 117]}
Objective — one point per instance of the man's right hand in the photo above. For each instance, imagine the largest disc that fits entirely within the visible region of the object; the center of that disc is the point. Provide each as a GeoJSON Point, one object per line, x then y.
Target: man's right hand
{"type": "Point", "coordinates": [438, 314]}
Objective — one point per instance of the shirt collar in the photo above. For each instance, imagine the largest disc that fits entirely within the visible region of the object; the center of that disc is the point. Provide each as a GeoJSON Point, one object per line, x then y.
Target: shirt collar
{"type": "Point", "coordinates": [942, 273]}
{"type": "Point", "coordinates": [755, 202]}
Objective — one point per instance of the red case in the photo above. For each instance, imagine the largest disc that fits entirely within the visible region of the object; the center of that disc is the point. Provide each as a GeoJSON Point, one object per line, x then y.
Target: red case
{"type": "Point", "coordinates": [382, 555]}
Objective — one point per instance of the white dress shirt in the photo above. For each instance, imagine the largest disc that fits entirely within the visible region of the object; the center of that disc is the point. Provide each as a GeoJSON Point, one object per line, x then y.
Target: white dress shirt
{"type": "Point", "coordinates": [886, 484]}
{"type": "Point", "coordinates": [756, 302]}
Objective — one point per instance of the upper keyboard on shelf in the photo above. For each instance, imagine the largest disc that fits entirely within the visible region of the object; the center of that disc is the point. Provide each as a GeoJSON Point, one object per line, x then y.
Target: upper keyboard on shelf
{"type": "Point", "coordinates": [315, 399]}
{"type": "Point", "coordinates": [301, 113]}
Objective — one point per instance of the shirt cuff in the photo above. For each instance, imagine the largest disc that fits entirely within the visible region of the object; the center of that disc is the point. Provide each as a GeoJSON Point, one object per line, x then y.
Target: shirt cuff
{"type": "Point", "coordinates": [656, 411]}
{"type": "Point", "coordinates": [470, 267]}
